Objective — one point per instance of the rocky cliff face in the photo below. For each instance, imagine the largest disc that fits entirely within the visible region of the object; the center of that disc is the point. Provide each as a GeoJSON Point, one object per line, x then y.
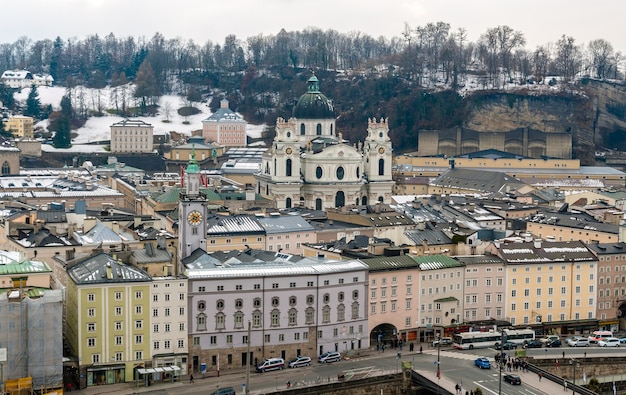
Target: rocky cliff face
{"type": "Point", "coordinates": [593, 113]}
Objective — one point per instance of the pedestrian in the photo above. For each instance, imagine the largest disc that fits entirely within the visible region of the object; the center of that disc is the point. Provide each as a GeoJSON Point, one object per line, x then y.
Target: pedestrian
{"type": "Point", "coordinates": [384, 346]}
{"type": "Point", "coordinates": [557, 364]}
{"type": "Point", "coordinates": [540, 375]}
{"type": "Point", "coordinates": [411, 347]}
{"type": "Point", "coordinates": [420, 348]}
{"type": "Point", "coordinates": [288, 384]}
{"type": "Point", "coordinates": [564, 385]}
{"type": "Point", "coordinates": [585, 354]}
{"type": "Point", "coordinates": [563, 354]}
{"type": "Point", "coordinates": [471, 392]}
{"type": "Point", "coordinates": [457, 388]}
{"type": "Point", "coordinates": [191, 379]}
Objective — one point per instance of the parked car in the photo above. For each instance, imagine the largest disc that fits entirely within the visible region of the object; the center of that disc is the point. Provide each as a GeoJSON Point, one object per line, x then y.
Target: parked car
{"type": "Point", "coordinates": [554, 343]}
{"type": "Point", "coordinates": [299, 361]}
{"type": "Point", "coordinates": [577, 341]}
{"type": "Point", "coordinates": [330, 356]}
{"type": "Point", "coordinates": [609, 342]}
{"type": "Point", "coordinates": [444, 341]}
{"type": "Point", "coordinates": [224, 391]}
{"type": "Point", "coordinates": [512, 379]}
{"type": "Point", "coordinates": [549, 338]}
{"type": "Point", "coordinates": [482, 363]}
{"type": "Point", "coordinates": [271, 364]}
{"type": "Point", "coordinates": [534, 344]}
{"type": "Point", "coordinates": [622, 339]}
{"type": "Point", "coordinates": [506, 346]}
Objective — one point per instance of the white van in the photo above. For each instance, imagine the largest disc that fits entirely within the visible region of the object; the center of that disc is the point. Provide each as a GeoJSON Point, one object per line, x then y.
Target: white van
{"type": "Point", "coordinates": [271, 364]}
{"type": "Point", "coordinates": [596, 336]}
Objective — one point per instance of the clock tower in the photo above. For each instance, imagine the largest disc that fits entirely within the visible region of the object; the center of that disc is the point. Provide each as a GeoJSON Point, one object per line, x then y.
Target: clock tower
{"type": "Point", "coordinates": [192, 212]}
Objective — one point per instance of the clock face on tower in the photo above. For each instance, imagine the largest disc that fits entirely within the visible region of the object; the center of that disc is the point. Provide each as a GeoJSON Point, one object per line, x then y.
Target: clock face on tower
{"type": "Point", "coordinates": [288, 151]}
{"type": "Point", "coordinates": [194, 218]}
{"type": "Point", "coordinates": [381, 150]}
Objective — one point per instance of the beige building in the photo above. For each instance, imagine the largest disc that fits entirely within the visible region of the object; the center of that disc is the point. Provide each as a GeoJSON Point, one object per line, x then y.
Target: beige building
{"type": "Point", "coordinates": [522, 141]}
{"type": "Point", "coordinates": [9, 159]}
{"type": "Point", "coordinates": [225, 127]}
{"type": "Point", "coordinates": [21, 126]}
{"type": "Point", "coordinates": [132, 136]}
{"type": "Point", "coordinates": [611, 305]}
{"type": "Point", "coordinates": [484, 287]}
{"type": "Point", "coordinates": [548, 282]}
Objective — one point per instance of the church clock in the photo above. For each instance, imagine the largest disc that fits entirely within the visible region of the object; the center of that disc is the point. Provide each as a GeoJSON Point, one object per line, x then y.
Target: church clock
{"type": "Point", "coordinates": [194, 218]}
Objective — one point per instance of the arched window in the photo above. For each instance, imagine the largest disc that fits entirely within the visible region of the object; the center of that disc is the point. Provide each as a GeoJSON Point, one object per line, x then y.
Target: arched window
{"type": "Point", "coordinates": [381, 199]}
{"type": "Point", "coordinates": [288, 168]}
{"type": "Point", "coordinates": [310, 316]}
{"type": "Point", "coordinates": [274, 166]}
{"type": "Point", "coordinates": [318, 172]}
{"type": "Point", "coordinates": [6, 168]}
{"type": "Point", "coordinates": [340, 199]}
{"type": "Point", "coordinates": [220, 321]}
{"type": "Point", "coordinates": [201, 322]}
{"type": "Point", "coordinates": [318, 204]}
{"type": "Point", "coordinates": [293, 317]}
{"type": "Point", "coordinates": [355, 310]}
{"type": "Point", "coordinates": [256, 319]}
{"type": "Point", "coordinates": [326, 314]}
{"type": "Point", "coordinates": [331, 129]}
{"type": "Point", "coordinates": [275, 317]}
{"type": "Point", "coordinates": [288, 203]}
{"type": "Point", "coordinates": [302, 129]}
{"type": "Point", "coordinates": [238, 320]}
{"type": "Point", "coordinates": [341, 312]}
{"type": "Point", "coordinates": [267, 168]}
{"type": "Point", "coordinates": [319, 129]}
{"type": "Point", "coordinates": [358, 172]}
{"type": "Point", "coordinates": [364, 201]}
{"type": "Point", "coordinates": [381, 167]}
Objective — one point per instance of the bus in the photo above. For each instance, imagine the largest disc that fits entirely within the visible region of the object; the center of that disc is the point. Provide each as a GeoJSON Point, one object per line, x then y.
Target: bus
{"type": "Point", "coordinates": [520, 336]}
{"type": "Point", "coordinates": [472, 340]}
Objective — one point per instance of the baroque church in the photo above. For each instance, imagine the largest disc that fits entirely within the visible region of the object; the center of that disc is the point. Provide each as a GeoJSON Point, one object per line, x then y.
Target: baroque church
{"type": "Point", "coordinates": [310, 165]}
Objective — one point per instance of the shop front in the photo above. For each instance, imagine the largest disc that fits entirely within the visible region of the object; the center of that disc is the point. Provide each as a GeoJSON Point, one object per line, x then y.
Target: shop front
{"type": "Point", "coordinates": [103, 375]}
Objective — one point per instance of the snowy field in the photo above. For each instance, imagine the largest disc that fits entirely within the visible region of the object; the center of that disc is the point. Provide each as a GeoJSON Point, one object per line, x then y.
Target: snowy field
{"type": "Point", "coordinates": [97, 129]}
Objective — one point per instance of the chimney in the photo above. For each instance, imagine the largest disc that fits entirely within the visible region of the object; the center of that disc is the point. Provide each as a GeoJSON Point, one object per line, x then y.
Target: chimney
{"type": "Point", "coordinates": [88, 224]}
{"type": "Point", "coordinates": [109, 271]}
{"type": "Point", "coordinates": [537, 243]}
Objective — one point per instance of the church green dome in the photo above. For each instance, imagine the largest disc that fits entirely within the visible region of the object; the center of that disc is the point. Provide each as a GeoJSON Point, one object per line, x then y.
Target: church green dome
{"type": "Point", "coordinates": [314, 104]}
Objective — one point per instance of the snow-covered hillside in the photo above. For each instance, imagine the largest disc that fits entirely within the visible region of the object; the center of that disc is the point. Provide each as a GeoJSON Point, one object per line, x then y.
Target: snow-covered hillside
{"type": "Point", "coordinates": [97, 128]}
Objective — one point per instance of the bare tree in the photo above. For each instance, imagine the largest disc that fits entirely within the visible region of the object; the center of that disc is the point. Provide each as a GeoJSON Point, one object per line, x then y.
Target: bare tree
{"type": "Point", "coordinates": [600, 54]}
{"type": "Point", "coordinates": [568, 57]}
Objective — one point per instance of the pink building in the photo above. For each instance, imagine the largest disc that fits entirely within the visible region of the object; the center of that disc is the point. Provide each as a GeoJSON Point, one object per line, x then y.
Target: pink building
{"type": "Point", "coordinates": [225, 127]}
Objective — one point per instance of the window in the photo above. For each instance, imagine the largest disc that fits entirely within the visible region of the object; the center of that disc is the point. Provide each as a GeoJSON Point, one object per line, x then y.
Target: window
{"type": "Point", "coordinates": [91, 312]}
{"type": "Point", "coordinates": [138, 339]}
{"type": "Point", "coordinates": [275, 316]}
{"type": "Point", "coordinates": [310, 316]}
{"type": "Point", "coordinates": [293, 317]}
{"type": "Point", "coordinates": [138, 295]}
{"type": "Point", "coordinates": [201, 322]}
{"type": "Point", "coordinates": [91, 327]}
{"type": "Point", "coordinates": [139, 324]}
{"type": "Point", "coordinates": [91, 297]}
{"type": "Point", "coordinates": [118, 296]}
{"type": "Point", "coordinates": [341, 312]}
{"type": "Point", "coordinates": [220, 321]}
{"type": "Point", "coordinates": [256, 319]}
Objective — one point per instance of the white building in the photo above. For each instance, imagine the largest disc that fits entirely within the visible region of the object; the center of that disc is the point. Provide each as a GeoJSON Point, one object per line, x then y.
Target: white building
{"type": "Point", "coordinates": [132, 136]}
{"type": "Point", "coordinates": [309, 163]}
{"type": "Point", "coordinates": [18, 79]}
{"type": "Point", "coordinates": [294, 305]}
{"type": "Point", "coordinates": [169, 322]}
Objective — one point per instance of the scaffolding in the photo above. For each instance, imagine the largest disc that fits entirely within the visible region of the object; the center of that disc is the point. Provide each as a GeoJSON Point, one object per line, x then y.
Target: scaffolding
{"type": "Point", "coordinates": [31, 330]}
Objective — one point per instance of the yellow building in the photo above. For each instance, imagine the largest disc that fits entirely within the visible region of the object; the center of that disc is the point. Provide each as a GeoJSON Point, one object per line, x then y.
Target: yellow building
{"type": "Point", "coordinates": [108, 319]}
{"type": "Point", "coordinates": [21, 126]}
{"type": "Point", "coordinates": [547, 282]}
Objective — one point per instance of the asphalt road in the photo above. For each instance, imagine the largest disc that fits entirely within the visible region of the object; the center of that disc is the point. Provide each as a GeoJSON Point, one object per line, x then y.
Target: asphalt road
{"type": "Point", "coordinates": [456, 366]}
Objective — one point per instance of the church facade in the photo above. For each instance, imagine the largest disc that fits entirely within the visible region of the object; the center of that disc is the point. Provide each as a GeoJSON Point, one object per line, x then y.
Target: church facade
{"type": "Point", "coordinates": [310, 165]}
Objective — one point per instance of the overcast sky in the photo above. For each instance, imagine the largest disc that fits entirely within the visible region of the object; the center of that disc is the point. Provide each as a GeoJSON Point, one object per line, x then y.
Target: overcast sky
{"type": "Point", "coordinates": [541, 21]}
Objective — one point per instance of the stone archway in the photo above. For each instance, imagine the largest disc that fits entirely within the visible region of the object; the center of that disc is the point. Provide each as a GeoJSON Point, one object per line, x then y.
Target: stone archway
{"type": "Point", "coordinates": [621, 311]}
{"type": "Point", "coordinates": [383, 334]}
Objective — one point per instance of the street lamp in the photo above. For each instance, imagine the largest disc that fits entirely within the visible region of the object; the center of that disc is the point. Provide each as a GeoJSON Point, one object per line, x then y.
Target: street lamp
{"type": "Point", "coordinates": [438, 360]}
{"type": "Point", "coordinates": [500, 362]}
{"type": "Point", "coordinates": [574, 362]}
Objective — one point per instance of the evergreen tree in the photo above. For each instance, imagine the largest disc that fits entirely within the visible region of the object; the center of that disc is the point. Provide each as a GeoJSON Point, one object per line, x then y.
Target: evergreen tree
{"type": "Point", "coordinates": [33, 104]}
{"type": "Point", "coordinates": [6, 96]}
{"type": "Point", "coordinates": [66, 107]}
{"type": "Point", "coordinates": [4, 132]}
{"type": "Point", "coordinates": [62, 137]}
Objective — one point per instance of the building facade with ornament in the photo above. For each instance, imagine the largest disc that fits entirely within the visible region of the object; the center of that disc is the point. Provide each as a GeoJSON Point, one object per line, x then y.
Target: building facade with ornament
{"type": "Point", "coordinates": [310, 164]}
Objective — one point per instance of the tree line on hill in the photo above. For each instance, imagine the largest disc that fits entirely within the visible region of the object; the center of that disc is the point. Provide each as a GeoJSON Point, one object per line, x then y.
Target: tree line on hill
{"type": "Point", "coordinates": [368, 76]}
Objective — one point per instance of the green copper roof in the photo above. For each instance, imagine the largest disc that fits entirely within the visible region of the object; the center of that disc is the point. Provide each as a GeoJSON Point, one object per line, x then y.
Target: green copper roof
{"type": "Point", "coordinates": [313, 104]}
{"type": "Point", "coordinates": [24, 267]}
{"type": "Point", "coordinates": [192, 167]}
{"type": "Point", "coordinates": [433, 262]}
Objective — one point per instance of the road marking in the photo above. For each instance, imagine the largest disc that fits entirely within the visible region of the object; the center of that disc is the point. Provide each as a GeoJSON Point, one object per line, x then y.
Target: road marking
{"type": "Point", "coordinates": [485, 388]}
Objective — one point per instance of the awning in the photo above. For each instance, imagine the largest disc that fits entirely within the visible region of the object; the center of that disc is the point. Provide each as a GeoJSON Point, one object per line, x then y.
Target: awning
{"type": "Point", "coordinates": [164, 369]}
